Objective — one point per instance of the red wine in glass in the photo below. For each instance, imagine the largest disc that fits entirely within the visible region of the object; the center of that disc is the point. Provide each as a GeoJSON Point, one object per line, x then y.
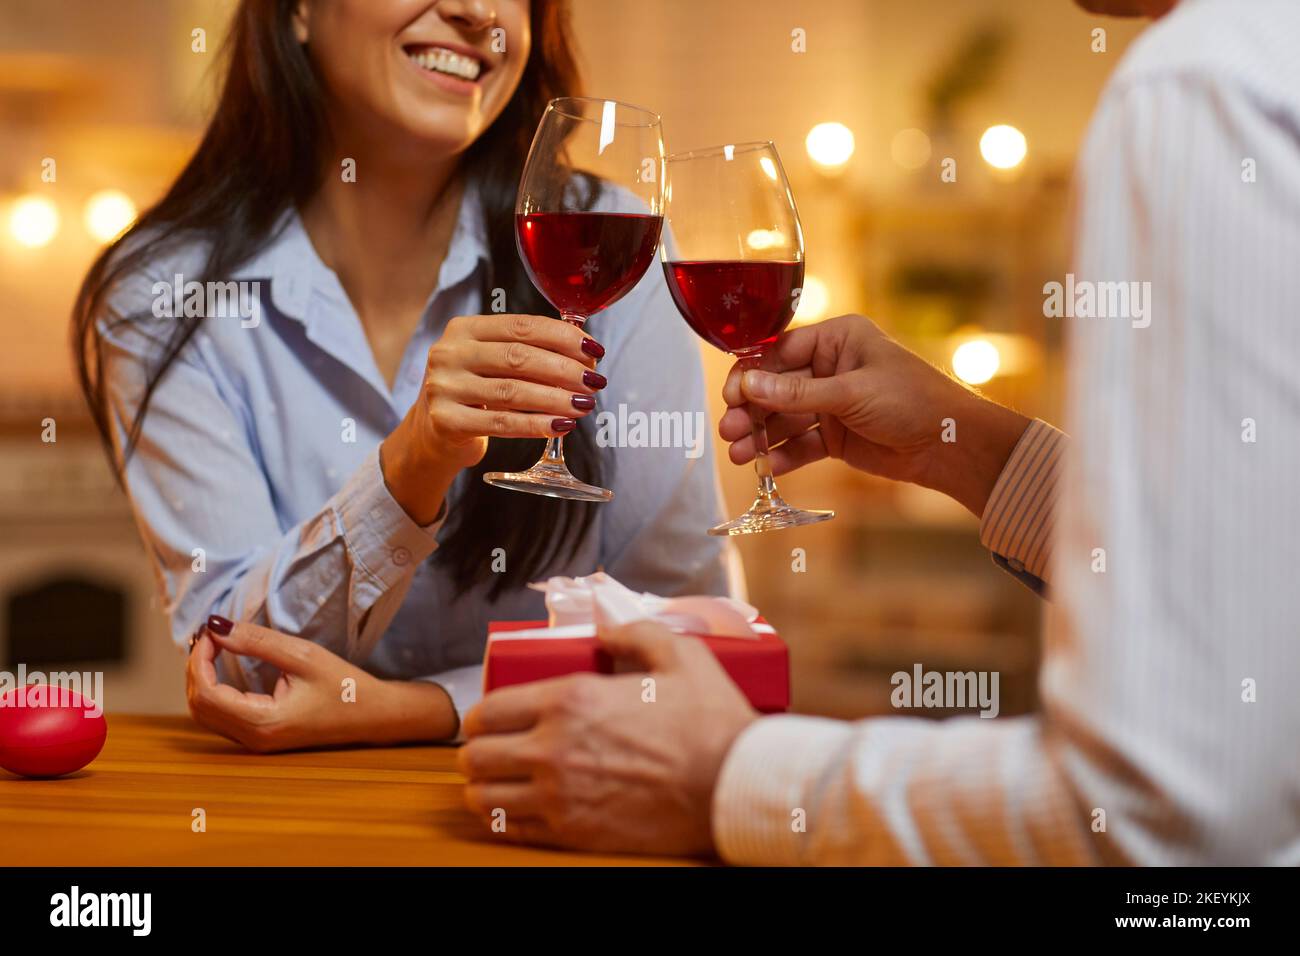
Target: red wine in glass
{"type": "Point", "coordinates": [586, 261]}
{"type": "Point", "coordinates": [587, 221]}
{"type": "Point", "coordinates": [732, 251]}
{"type": "Point", "coordinates": [737, 305]}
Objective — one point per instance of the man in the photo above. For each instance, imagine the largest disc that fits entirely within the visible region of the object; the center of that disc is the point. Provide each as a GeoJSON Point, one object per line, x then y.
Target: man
{"type": "Point", "coordinates": [1170, 543]}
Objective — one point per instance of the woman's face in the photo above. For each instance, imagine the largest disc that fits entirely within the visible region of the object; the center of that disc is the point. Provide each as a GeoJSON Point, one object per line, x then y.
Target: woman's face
{"type": "Point", "coordinates": [435, 73]}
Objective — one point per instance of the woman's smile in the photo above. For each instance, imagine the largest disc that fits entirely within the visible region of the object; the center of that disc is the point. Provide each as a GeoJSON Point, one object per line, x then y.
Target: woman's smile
{"type": "Point", "coordinates": [442, 59]}
{"type": "Point", "coordinates": [424, 77]}
{"type": "Point", "coordinates": [453, 67]}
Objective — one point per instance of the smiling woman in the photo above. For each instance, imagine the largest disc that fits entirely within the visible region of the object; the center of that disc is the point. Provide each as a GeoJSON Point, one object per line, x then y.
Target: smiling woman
{"type": "Point", "coordinates": [392, 65]}
{"type": "Point", "coordinates": [296, 472]}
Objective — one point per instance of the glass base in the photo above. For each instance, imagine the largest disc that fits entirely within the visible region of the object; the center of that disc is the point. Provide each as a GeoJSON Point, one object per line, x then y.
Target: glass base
{"type": "Point", "coordinates": [552, 479]}
{"type": "Point", "coordinates": [770, 513]}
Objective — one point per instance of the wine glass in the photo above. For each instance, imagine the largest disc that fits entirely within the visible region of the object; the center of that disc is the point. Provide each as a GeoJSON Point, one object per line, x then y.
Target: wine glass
{"type": "Point", "coordinates": [587, 221]}
{"type": "Point", "coordinates": [733, 256]}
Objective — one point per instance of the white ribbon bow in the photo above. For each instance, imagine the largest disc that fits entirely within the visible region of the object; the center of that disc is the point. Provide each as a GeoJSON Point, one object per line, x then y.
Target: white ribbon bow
{"type": "Point", "coordinates": [597, 601]}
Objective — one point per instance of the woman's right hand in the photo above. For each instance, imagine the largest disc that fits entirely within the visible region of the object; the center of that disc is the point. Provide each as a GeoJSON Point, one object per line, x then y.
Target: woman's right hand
{"type": "Point", "coordinates": [505, 376]}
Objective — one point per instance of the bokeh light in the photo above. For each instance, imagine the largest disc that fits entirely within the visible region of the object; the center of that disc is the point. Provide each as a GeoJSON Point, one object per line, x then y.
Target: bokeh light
{"type": "Point", "coordinates": [1003, 147]}
{"type": "Point", "coordinates": [910, 148]}
{"type": "Point", "coordinates": [764, 238]}
{"type": "Point", "coordinates": [830, 145]}
{"type": "Point", "coordinates": [814, 300]}
{"type": "Point", "coordinates": [976, 361]}
{"type": "Point", "coordinates": [108, 213]}
{"type": "Point", "coordinates": [33, 221]}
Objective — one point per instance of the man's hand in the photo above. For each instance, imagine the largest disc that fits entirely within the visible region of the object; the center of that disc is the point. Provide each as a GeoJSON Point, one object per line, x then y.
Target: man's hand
{"type": "Point", "coordinates": [311, 705]}
{"type": "Point", "coordinates": [609, 763]}
{"type": "Point", "coordinates": [844, 389]}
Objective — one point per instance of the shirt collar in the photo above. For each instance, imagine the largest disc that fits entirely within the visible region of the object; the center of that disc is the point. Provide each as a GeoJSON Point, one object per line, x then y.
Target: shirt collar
{"type": "Point", "coordinates": [298, 276]}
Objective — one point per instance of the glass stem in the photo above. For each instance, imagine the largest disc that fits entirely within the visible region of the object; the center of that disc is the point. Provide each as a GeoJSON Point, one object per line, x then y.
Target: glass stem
{"type": "Point", "coordinates": [554, 453]}
{"type": "Point", "coordinates": [758, 428]}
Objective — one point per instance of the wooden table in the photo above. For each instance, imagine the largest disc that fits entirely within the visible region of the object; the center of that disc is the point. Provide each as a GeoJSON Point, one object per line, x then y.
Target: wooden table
{"type": "Point", "coordinates": [134, 806]}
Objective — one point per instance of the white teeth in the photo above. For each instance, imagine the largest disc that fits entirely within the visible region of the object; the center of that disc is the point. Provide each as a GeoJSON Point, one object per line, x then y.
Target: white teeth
{"type": "Point", "coordinates": [445, 61]}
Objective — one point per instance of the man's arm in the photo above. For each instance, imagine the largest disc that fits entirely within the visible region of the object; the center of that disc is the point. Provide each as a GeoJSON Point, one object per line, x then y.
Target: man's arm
{"type": "Point", "coordinates": [809, 790]}
{"type": "Point", "coordinates": [798, 790]}
{"type": "Point", "coordinates": [843, 389]}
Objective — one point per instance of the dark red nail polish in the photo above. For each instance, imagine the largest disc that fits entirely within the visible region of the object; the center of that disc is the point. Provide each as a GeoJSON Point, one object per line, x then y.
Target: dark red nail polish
{"type": "Point", "coordinates": [563, 426]}
{"type": "Point", "coordinates": [584, 403]}
{"type": "Point", "coordinates": [593, 348]}
{"type": "Point", "coordinates": [594, 379]}
{"type": "Point", "coordinates": [220, 625]}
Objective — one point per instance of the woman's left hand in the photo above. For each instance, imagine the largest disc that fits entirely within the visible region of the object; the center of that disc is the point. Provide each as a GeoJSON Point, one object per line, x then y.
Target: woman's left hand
{"type": "Point", "coordinates": [319, 700]}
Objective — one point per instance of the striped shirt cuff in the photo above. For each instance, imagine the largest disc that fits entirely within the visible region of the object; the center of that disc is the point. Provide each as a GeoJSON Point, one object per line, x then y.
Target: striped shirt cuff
{"type": "Point", "coordinates": [1018, 519]}
{"type": "Point", "coordinates": [760, 803]}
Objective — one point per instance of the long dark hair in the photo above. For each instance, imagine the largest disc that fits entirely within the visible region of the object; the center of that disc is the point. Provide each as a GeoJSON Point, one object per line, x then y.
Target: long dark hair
{"type": "Point", "coordinates": [230, 199]}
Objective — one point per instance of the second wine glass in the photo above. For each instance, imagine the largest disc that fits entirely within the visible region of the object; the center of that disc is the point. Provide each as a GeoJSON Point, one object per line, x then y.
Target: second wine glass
{"type": "Point", "coordinates": [733, 258]}
{"type": "Point", "coordinates": [587, 222]}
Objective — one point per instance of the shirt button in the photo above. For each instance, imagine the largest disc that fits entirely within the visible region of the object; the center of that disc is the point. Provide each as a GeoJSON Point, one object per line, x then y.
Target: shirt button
{"type": "Point", "coordinates": [401, 556]}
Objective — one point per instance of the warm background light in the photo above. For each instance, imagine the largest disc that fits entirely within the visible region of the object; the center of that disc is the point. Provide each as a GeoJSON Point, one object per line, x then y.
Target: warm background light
{"type": "Point", "coordinates": [34, 221]}
{"type": "Point", "coordinates": [764, 238]}
{"type": "Point", "coordinates": [108, 213]}
{"type": "Point", "coordinates": [976, 361]}
{"type": "Point", "coordinates": [1003, 147]}
{"type": "Point", "coordinates": [813, 301]}
{"type": "Point", "coordinates": [910, 148]}
{"type": "Point", "coordinates": [830, 145]}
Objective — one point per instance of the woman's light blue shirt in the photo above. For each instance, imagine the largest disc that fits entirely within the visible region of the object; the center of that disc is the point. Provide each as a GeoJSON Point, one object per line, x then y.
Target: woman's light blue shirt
{"type": "Point", "coordinates": [256, 481]}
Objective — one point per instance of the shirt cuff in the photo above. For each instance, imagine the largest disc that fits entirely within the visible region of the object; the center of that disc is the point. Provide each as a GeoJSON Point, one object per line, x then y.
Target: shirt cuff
{"type": "Point", "coordinates": [1017, 522]}
{"type": "Point", "coordinates": [464, 686]}
{"type": "Point", "coordinates": [381, 536]}
{"type": "Point", "coordinates": [760, 811]}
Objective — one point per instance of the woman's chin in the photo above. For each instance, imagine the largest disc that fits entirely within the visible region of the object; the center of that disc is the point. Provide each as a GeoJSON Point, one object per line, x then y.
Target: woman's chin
{"type": "Point", "coordinates": [445, 140]}
{"type": "Point", "coordinates": [444, 131]}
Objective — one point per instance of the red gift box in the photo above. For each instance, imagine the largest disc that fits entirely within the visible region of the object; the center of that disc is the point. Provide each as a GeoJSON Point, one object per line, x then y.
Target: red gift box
{"type": "Point", "coordinates": [760, 667]}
